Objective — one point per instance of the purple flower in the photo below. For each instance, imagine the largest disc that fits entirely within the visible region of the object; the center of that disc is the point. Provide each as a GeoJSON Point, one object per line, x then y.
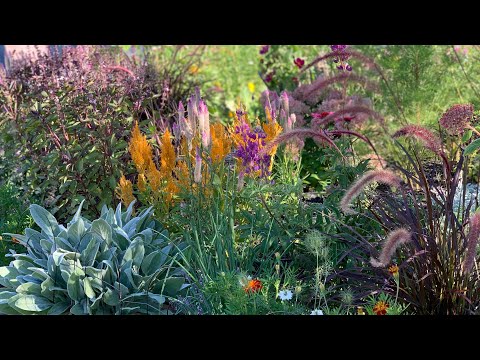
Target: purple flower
{"type": "Point", "coordinates": [269, 77]}
{"type": "Point", "coordinates": [264, 49]}
{"type": "Point", "coordinates": [249, 149]}
{"type": "Point", "coordinates": [341, 55]}
{"type": "Point", "coordinates": [299, 62]}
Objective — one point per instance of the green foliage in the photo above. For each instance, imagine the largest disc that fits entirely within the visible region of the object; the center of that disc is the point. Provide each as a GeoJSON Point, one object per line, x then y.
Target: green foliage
{"type": "Point", "coordinates": [116, 264]}
{"type": "Point", "coordinates": [13, 217]}
{"type": "Point", "coordinates": [227, 295]}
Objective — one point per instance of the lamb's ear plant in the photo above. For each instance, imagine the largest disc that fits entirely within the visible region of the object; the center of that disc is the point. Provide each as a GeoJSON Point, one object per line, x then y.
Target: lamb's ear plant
{"type": "Point", "coordinates": [116, 264]}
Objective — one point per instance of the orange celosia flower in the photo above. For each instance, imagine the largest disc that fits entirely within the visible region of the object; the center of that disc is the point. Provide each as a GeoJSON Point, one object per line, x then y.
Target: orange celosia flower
{"type": "Point", "coordinates": [142, 182]}
{"type": "Point", "coordinates": [252, 286]}
{"type": "Point", "coordinates": [272, 129]}
{"type": "Point", "coordinates": [140, 150]}
{"type": "Point", "coordinates": [154, 177]}
{"type": "Point", "coordinates": [380, 308]}
{"type": "Point", "coordinates": [170, 190]}
{"type": "Point", "coordinates": [167, 154]}
{"type": "Point", "coordinates": [221, 143]}
{"type": "Point", "coordinates": [125, 191]}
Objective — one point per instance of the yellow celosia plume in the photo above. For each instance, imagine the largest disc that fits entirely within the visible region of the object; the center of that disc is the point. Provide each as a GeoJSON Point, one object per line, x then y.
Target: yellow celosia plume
{"type": "Point", "coordinates": [140, 150]}
{"type": "Point", "coordinates": [124, 191]}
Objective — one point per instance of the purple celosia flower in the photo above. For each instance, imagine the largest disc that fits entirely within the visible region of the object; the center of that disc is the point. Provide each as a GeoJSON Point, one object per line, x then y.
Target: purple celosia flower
{"type": "Point", "coordinates": [264, 49]}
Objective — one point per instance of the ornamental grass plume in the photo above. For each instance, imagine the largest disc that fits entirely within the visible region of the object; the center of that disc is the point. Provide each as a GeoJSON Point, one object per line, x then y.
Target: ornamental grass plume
{"type": "Point", "coordinates": [457, 118]}
{"type": "Point", "coordinates": [351, 111]}
{"type": "Point", "coordinates": [393, 241]}
{"type": "Point", "coordinates": [381, 176]}
{"type": "Point", "coordinates": [430, 140]}
{"type": "Point", "coordinates": [472, 241]}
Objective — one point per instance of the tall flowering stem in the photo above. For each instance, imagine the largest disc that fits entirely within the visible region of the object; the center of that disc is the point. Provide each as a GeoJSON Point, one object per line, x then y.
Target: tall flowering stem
{"type": "Point", "coordinates": [472, 241]}
{"type": "Point", "coordinates": [393, 241]}
{"type": "Point", "coordinates": [381, 176]}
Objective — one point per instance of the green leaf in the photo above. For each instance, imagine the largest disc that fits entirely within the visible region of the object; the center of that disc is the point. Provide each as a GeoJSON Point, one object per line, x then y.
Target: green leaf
{"type": "Point", "coordinates": [45, 220]}
{"type": "Point", "coordinates": [467, 135]}
{"type": "Point", "coordinates": [88, 255]}
{"type": "Point", "coordinates": [102, 229]}
{"type": "Point", "coordinates": [88, 288]}
{"type": "Point", "coordinates": [59, 308]}
{"type": "Point", "coordinates": [76, 231]}
{"type": "Point", "coordinates": [74, 287]}
{"type": "Point", "coordinates": [32, 303]}
{"type": "Point", "coordinates": [135, 252]}
{"type": "Point", "coordinates": [29, 288]}
{"type": "Point", "coordinates": [472, 147]}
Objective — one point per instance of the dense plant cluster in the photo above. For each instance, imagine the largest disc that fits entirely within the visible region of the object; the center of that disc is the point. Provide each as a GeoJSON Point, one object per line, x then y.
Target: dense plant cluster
{"type": "Point", "coordinates": [346, 183]}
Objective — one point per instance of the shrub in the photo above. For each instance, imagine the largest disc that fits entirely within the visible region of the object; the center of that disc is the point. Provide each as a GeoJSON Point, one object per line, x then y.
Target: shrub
{"type": "Point", "coordinates": [65, 120]}
{"type": "Point", "coordinates": [116, 264]}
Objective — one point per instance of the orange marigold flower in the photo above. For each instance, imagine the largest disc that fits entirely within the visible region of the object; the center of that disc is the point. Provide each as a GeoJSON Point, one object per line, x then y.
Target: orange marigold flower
{"type": "Point", "coordinates": [380, 308]}
{"type": "Point", "coordinates": [252, 286]}
{"type": "Point", "coordinates": [393, 270]}
{"type": "Point", "coordinates": [124, 191]}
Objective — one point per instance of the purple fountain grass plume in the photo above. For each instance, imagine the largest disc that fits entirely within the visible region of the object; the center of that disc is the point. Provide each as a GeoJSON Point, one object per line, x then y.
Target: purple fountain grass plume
{"type": "Point", "coordinates": [472, 241]}
{"type": "Point", "coordinates": [456, 119]}
{"type": "Point", "coordinates": [322, 83]}
{"type": "Point", "coordinates": [429, 139]}
{"type": "Point", "coordinates": [351, 111]}
{"type": "Point", "coordinates": [381, 176]}
{"type": "Point", "coordinates": [300, 133]}
{"type": "Point", "coordinates": [393, 241]}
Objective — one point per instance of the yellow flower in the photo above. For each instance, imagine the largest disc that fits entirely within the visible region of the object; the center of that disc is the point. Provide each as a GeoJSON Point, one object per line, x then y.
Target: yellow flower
{"type": "Point", "coordinates": [231, 114]}
{"type": "Point", "coordinates": [124, 191]}
{"type": "Point", "coordinates": [272, 130]}
{"type": "Point", "coordinates": [167, 154]}
{"type": "Point", "coordinates": [154, 177]}
{"type": "Point", "coordinates": [193, 69]}
{"type": "Point", "coordinates": [140, 150]}
{"type": "Point", "coordinates": [393, 270]}
{"type": "Point", "coordinates": [251, 87]}
{"type": "Point", "coordinates": [142, 182]}
{"type": "Point", "coordinates": [221, 143]}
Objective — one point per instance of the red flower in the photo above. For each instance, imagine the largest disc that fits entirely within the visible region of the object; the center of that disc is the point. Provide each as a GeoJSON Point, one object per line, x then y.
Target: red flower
{"type": "Point", "coordinates": [253, 285]}
{"type": "Point", "coordinates": [299, 62]}
{"type": "Point", "coordinates": [321, 115]}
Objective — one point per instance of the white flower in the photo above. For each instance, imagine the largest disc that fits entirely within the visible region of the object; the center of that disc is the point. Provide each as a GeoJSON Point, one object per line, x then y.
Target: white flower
{"type": "Point", "coordinates": [316, 312]}
{"type": "Point", "coordinates": [285, 295]}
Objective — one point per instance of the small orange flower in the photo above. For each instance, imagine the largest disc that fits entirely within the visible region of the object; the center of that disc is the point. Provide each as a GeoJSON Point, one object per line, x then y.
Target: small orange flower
{"type": "Point", "coordinates": [380, 308]}
{"type": "Point", "coordinates": [393, 270]}
{"type": "Point", "coordinates": [253, 285]}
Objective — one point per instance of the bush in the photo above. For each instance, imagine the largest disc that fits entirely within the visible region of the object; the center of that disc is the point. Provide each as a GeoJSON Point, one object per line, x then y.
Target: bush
{"type": "Point", "coordinates": [117, 264]}
{"type": "Point", "coordinates": [65, 120]}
